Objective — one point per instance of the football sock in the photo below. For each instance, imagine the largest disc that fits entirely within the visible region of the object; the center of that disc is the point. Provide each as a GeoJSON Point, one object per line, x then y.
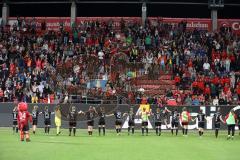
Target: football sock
{"type": "Point", "coordinates": [58, 130]}
{"type": "Point", "coordinates": [74, 131]}
{"type": "Point", "coordinates": [216, 133]}
{"type": "Point", "coordinates": [104, 131]}
{"type": "Point", "coordinates": [99, 130]}
{"type": "Point", "coordinates": [21, 135]}
{"type": "Point", "coordinates": [233, 132]}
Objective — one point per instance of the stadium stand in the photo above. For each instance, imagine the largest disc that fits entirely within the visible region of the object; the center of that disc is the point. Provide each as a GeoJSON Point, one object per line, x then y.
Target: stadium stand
{"type": "Point", "coordinates": [161, 62]}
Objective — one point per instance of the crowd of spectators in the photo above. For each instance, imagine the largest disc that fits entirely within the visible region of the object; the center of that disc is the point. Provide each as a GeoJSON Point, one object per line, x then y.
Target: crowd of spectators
{"type": "Point", "coordinates": [38, 65]}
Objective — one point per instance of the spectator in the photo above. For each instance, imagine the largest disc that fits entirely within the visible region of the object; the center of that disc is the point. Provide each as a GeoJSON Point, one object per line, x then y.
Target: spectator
{"type": "Point", "coordinates": [195, 101]}
{"type": "Point", "coordinates": [206, 68]}
{"type": "Point", "coordinates": [200, 61]}
{"type": "Point", "coordinates": [215, 101]}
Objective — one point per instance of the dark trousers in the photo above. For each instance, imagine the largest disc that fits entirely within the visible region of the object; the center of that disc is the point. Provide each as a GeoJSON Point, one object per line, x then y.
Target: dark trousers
{"type": "Point", "coordinates": [231, 127]}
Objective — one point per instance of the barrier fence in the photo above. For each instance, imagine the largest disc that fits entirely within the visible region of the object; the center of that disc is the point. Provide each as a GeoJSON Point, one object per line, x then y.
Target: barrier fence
{"type": "Point", "coordinates": [6, 114]}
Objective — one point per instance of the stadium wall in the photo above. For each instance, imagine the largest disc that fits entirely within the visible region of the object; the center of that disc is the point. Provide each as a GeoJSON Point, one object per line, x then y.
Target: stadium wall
{"type": "Point", "coordinates": [6, 114]}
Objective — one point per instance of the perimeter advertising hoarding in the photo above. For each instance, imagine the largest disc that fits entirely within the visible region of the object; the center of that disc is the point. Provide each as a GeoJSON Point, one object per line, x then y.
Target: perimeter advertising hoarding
{"type": "Point", "coordinates": [53, 23]}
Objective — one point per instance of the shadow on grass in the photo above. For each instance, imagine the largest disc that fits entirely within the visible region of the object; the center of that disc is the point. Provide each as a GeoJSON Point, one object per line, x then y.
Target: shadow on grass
{"type": "Point", "coordinates": [56, 142]}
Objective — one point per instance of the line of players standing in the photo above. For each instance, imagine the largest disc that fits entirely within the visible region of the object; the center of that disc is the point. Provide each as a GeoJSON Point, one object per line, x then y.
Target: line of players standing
{"type": "Point", "coordinates": [35, 113]}
{"type": "Point", "coordinates": [159, 117]}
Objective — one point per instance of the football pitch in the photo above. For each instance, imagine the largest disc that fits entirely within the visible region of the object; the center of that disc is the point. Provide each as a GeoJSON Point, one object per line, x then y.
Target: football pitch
{"type": "Point", "coordinates": [113, 147]}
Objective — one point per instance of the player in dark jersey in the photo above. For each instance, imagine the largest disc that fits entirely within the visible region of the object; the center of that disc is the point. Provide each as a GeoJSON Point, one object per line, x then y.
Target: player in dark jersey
{"type": "Point", "coordinates": [201, 117]}
{"type": "Point", "coordinates": [175, 121]}
{"type": "Point", "coordinates": [118, 122]}
{"type": "Point", "coordinates": [101, 121]}
{"type": "Point", "coordinates": [90, 114]}
{"type": "Point", "coordinates": [15, 123]}
{"type": "Point", "coordinates": [72, 117]}
{"type": "Point", "coordinates": [131, 118]}
{"type": "Point", "coordinates": [217, 117]}
{"type": "Point", "coordinates": [158, 117]}
{"type": "Point", "coordinates": [47, 119]}
{"type": "Point", "coordinates": [35, 114]}
{"type": "Point", "coordinates": [166, 114]}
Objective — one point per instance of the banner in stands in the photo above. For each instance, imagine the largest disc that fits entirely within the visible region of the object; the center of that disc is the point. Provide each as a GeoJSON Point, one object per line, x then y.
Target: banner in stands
{"type": "Point", "coordinates": [191, 23]}
{"type": "Point", "coordinates": [53, 23]}
{"type": "Point", "coordinates": [98, 83]}
{"type": "Point", "coordinates": [6, 114]}
{"type": "Point", "coordinates": [234, 24]}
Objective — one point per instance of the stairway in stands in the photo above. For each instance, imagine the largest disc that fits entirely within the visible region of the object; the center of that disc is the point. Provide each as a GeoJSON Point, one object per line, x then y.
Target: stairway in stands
{"type": "Point", "coordinates": [155, 87]}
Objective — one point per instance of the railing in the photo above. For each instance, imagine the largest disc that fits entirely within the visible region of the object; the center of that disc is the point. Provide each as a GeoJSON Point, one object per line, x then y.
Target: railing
{"type": "Point", "coordinates": [90, 100]}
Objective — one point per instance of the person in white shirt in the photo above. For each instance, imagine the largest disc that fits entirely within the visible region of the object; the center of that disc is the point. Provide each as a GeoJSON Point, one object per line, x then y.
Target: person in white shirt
{"type": "Point", "coordinates": [100, 55]}
{"type": "Point", "coordinates": [206, 68]}
{"type": "Point", "coordinates": [149, 58]}
{"type": "Point", "coordinates": [215, 101]}
{"type": "Point", "coordinates": [233, 79]}
{"type": "Point", "coordinates": [40, 88]}
{"type": "Point", "coordinates": [227, 65]}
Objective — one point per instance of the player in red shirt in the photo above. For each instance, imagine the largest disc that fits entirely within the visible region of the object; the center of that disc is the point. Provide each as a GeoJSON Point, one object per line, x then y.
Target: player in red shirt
{"type": "Point", "coordinates": [23, 118]}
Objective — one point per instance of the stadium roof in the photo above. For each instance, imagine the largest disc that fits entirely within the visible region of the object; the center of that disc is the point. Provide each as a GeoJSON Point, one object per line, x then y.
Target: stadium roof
{"type": "Point", "coordinates": [227, 2]}
{"type": "Point", "coordinates": [184, 2]}
{"type": "Point", "coordinates": [164, 8]}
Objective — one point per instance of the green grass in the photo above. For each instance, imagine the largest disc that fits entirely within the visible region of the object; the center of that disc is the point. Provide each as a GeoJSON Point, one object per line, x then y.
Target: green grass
{"type": "Point", "coordinates": [124, 147]}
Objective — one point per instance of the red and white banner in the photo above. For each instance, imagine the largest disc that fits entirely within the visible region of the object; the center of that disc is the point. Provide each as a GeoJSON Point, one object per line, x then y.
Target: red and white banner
{"type": "Point", "coordinates": [232, 23]}
{"type": "Point", "coordinates": [53, 23]}
{"type": "Point", "coordinates": [192, 23]}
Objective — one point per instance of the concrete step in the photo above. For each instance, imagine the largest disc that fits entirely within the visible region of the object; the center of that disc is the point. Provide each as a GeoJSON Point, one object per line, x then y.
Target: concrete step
{"type": "Point", "coordinates": [154, 82]}
{"type": "Point", "coordinates": [152, 87]}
